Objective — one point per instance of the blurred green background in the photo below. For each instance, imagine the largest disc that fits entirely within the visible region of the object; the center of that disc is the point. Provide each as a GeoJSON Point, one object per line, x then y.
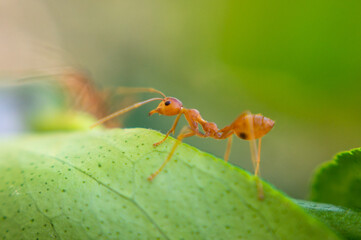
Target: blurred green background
{"type": "Point", "coordinates": [297, 62]}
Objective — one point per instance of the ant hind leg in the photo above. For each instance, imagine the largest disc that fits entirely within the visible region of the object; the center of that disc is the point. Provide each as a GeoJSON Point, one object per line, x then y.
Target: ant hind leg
{"type": "Point", "coordinates": [256, 154]}
{"type": "Point", "coordinates": [256, 172]}
{"type": "Point", "coordinates": [228, 150]}
{"type": "Point", "coordinates": [253, 148]}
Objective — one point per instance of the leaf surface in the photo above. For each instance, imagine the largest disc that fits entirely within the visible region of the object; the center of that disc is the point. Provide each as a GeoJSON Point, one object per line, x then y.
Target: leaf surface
{"type": "Point", "coordinates": [339, 181]}
{"type": "Point", "coordinates": [342, 220]}
{"type": "Point", "coordinates": [93, 185]}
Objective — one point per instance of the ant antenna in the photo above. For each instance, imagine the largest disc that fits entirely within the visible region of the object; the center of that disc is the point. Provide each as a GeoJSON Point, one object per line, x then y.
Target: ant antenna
{"type": "Point", "coordinates": [137, 90]}
{"type": "Point", "coordinates": [124, 110]}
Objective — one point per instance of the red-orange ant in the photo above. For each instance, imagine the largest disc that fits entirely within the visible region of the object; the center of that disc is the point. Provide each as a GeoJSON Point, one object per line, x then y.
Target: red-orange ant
{"type": "Point", "coordinates": [247, 126]}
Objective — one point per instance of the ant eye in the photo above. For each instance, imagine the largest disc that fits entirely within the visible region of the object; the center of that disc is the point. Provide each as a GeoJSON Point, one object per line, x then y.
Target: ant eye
{"type": "Point", "coordinates": [167, 103]}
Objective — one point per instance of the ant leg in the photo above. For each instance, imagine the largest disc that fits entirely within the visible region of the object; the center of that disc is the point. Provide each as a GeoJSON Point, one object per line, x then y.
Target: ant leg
{"type": "Point", "coordinates": [186, 132]}
{"type": "Point", "coordinates": [257, 172]}
{"type": "Point", "coordinates": [170, 131]}
{"type": "Point", "coordinates": [253, 148]}
{"type": "Point", "coordinates": [226, 132]}
{"type": "Point", "coordinates": [255, 162]}
{"type": "Point", "coordinates": [228, 150]}
{"type": "Point", "coordinates": [258, 157]}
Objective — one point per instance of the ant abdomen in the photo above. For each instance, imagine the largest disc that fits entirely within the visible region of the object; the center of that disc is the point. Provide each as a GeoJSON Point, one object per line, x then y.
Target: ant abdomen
{"type": "Point", "coordinates": [252, 126]}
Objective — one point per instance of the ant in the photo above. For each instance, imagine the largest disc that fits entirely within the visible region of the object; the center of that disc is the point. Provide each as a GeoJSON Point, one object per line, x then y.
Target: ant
{"type": "Point", "coordinates": [247, 126]}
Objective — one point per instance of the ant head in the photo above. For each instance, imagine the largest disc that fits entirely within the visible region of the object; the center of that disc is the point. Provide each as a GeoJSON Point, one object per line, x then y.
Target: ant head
{"type": "Point", "coordinates": [169, 106]}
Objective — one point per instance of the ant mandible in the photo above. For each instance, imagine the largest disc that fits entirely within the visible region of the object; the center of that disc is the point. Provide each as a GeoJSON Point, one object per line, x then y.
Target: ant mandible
{"type": "Point", "coordinates": [247, 126]}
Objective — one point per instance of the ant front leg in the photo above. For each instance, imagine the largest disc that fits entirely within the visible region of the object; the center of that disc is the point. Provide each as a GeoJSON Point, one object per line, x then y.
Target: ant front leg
{"type": "Point", "coordinates": [170, 131]}
{"type": "Point", "coordinates": [186, 132]}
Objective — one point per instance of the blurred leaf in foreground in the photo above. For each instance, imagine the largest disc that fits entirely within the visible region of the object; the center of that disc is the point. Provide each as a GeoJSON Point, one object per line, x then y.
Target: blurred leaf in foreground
{"type": "Point", "coordinates": [93, 185]}
{"type": "Point", "coordinates": [339, 181]}
{"type": "Point", "coordinates": [62, 120]}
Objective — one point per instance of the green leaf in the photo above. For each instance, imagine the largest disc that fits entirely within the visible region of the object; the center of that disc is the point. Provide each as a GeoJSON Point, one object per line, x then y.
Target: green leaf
{"type": "Point", "coordinates": [339, 181]}
{"type": "Point", "coordinates": [344, 221]}
{"type": "Point", "coordinates": [93, 185]}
